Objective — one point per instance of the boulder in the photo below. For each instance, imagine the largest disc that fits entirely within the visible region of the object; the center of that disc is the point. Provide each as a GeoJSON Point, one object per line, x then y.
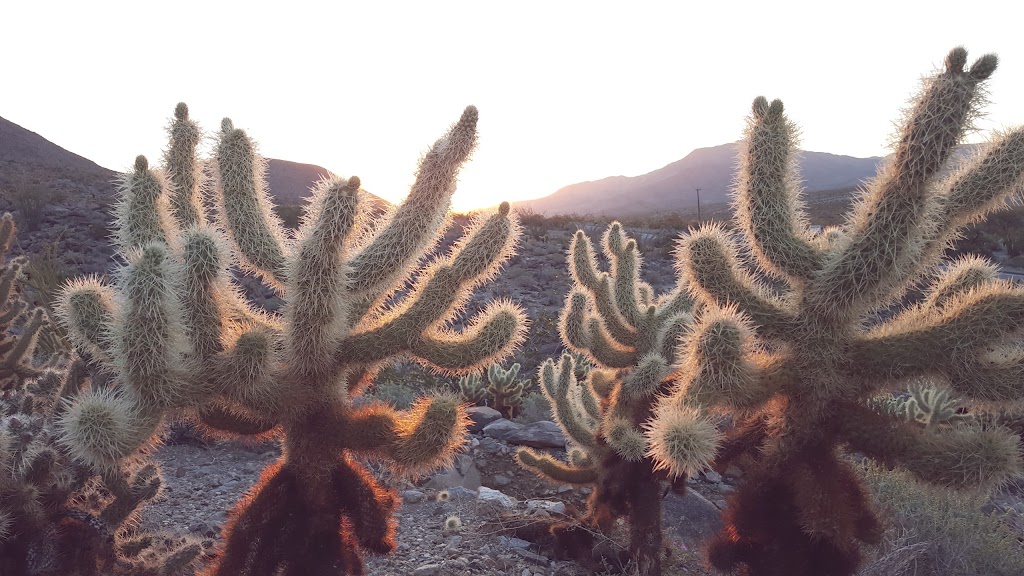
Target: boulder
{"type": "Point", "coordinates": [481, 416]}
{"type": "Point", "coordinates": [543, 434]}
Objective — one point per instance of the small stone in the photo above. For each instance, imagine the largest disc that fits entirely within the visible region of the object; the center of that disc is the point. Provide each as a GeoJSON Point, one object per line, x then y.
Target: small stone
{"type": "Point", "coordinates": [427, 570]}
{"type": "Point", "coordinates": [413, 496]}
{"type": "Point", "coordinates": [527, 572]}
{"type": "Point", "coordinates": [548, 505]}
{"type": "Point", "coordinates": [711, 476]}
{"type": "Point", "coordinates": [531, 557]}
{"type": "Point", "coordinates": [564, 488]}
{"type": "Point", "coordinates": [513, 542]}
{"type": "Point", "coordinates": [486, 494]}
{"type": "Point", "coordinates": [180, 472]}
{"type": "Point", "coordinates": [500, 480]}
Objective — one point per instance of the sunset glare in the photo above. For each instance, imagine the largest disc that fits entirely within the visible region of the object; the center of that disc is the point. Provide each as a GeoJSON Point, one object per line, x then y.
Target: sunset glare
{"type": "Point", "coordinates": [567, 91]}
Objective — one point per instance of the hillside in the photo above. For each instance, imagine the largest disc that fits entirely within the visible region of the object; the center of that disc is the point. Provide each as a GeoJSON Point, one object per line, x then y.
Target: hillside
{"type": "Point", "coordinates": [672, 188]}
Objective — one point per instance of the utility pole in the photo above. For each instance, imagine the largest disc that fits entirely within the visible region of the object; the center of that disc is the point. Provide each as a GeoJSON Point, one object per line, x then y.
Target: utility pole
{"type": "Point", "coordinates": [699, 220]}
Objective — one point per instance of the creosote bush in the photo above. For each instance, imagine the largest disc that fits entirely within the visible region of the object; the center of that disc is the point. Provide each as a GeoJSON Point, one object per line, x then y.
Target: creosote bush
{"type": "Point", "coordinates": [175, 330]}
{"type": "Point", "coordinates": [798, 360]}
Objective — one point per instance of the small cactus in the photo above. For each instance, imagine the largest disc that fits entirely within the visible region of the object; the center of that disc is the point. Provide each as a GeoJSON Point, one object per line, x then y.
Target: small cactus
{"type": "Point", "coordinates": [506, 391]}
{"type": "Point", "coordinates": [621, 444]}
{"type": "Point", "coordinates": [472, 389]}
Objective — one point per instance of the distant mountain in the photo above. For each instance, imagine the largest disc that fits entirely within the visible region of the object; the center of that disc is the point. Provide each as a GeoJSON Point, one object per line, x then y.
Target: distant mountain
{"type": "Point", "coordinates": [672, 188]}
{"type": "Point", "coordinates": [28, 159]}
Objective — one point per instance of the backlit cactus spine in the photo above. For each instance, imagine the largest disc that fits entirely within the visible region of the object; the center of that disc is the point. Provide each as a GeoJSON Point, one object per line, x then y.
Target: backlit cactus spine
{"type": "Point", "coordinates": [798, 361]}
{"type": "Point", "coordinates": [180, 337]}
{"type": "Point", "coordinates": [506, 389]}
{"type": "Point", "coordinates": [621, 444]}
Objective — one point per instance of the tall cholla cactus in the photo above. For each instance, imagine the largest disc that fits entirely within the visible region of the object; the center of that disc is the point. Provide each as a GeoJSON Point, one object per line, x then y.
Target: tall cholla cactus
{"type": "Point", "coordinates": [621, 444]}
{"type": "Point", "coordinates": [179, 337]}
{"type": "Point", "coordinates": [798, 360]}
{"type": "Point", "coordinates": [506, 389]}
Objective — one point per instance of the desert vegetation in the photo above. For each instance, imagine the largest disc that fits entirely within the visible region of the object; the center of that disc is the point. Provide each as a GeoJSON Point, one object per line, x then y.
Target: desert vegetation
{"type": "Point", "coordinates": [834, 403]}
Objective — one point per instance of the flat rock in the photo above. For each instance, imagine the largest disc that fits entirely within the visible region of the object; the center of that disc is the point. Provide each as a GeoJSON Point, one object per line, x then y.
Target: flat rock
{"type": "Point", "coordinates": [498, 497]}
{"type": "Point", "coordinates": [462, 473]}
{"type": "Point", "coordinates": [543, 434]}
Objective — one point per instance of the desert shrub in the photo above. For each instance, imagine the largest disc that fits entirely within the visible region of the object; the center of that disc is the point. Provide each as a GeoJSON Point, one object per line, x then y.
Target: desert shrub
{"type": "Point", "coordinates": [396, 394]}
{"type": "Point", "coordinates": [30, 201]}
{"type": "Point", "coordinates": [535, 407]}
{"type": "Point", "coordinates": [953, 536]}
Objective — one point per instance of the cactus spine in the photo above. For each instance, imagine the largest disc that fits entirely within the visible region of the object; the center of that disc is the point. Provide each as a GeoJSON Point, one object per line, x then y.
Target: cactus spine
{"type": "Point", "coordinates": [798, 364]}
{"type": "Point", "coordinates": [180, 338]}
{"type": "Point", "coordinates": [622, 445]}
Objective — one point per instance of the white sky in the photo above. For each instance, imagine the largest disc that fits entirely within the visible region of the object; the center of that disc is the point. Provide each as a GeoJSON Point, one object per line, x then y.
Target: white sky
{"type": "Point", "coordinates": [567, 91]}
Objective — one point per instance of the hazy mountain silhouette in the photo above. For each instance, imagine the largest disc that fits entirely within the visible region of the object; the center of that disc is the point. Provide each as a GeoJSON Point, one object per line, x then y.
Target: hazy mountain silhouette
{"type": "Point", "coordinates": [28, 159]}
{"type": "Point", "coordinates": [672, 188]}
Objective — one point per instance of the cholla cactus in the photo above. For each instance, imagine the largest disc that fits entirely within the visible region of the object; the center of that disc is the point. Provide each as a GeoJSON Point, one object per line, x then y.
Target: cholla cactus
{"type": "Point", "coordinates": [928, 405]}
{"type": "Point", "coordinates": [621, 444]}
{"type": "Point", "coordinates": [15, 351]}
{"type": "Point", "coordinates": [472, 389]}
{"type": "Point", "coordinates": [179, 336]}
{"type": "Point", "coordinates": [797, 360]}
{"type": "Point", "coordinates": [505, 389]}
{"type": "Point", "coordinates": [59, 516]}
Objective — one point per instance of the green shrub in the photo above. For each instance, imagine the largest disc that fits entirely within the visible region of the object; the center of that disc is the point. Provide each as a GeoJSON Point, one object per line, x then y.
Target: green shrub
{"type": "Point", "coordinates": [953, 535]}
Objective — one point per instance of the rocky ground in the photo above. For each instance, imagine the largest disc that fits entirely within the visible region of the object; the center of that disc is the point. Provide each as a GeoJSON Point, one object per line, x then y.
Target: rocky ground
{"type": "Point", "coordinates": [488, 493]}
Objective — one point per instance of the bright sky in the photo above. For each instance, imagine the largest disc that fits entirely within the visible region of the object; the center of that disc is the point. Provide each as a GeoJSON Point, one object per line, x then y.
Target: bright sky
{"type": "Point", "coordinates": [568, 91]}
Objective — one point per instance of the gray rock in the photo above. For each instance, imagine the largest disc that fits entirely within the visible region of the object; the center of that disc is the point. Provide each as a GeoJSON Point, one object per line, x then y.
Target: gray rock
{"type": "Point", "coordinates": [500, 480]}
{"type": "Point", "coordinates": [489, 495]}
{"type": "Point", "coordinates": [543, 434]}
{"type": "Point", "coordinates": [692, 517]}
{"type": "Point", "coordinates": [513, 542]}
{"type": "Point", "coordinates": [427, 570]}
{"type": "Point", "coordinates": [548, 505]}
{"type": "Point", "coordinates": [463, 473]}
{"type": "Point", "coordinates": [461, 493]}
{"type": "Point", "coordinates": [531, 557]}
{"type": "Point", "coordinates": [413, 496]}
{"type": "Point", "coordinates": [481, 416]}
{"type": "Point", "coordinates": [712, 476]}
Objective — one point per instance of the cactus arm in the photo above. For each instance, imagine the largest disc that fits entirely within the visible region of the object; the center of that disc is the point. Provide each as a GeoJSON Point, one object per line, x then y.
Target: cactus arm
{"type": "Point", "coordinates": [886, 228]}
{"type": "Point", "coordinates": [987, 183]}
{"type": "Point", "coordinates": [767, 200]}
{"type": "Point", "coordinates": [148, 342]}
{"type": "Point", "coordinates": [964, 456]}
{"type": "Point", "coordinates": [607, 308]}
{"type": "Point", "coordinates": [86, 308]}
{"type": "Point", "coordinates": [678, 301]}
{"type": "Point", "coordinates": [626, 271]}
{"type": "Point", "coordinates": [545, 466]}
{"type": "Point", "coordinates": [232, 420]}
{"type": "Point", "coordinates": [917, 340]}
{"type": "Point", "coordinates": [184, 170]}
{"type": "Point", "coordinates": [102, 427]}
{"type": "Point", "coordinates": [490, 335]}
{"type": "Point", "coordinates": [582, 263]}
{"type": "Point", "coordinates": [672, 331]}
{"type": "Point", "coordinates": [708, 258]}
{"type": "Point", "coordinates": [428, 435]}
{"type": "Point", "coordinates": [245, 206]}
{"type": "Point", "coordinates": [605, 349]}
{"type": "Point", "coordinates": [396, 246]}
{"type": "Point", "coordinates": [716, 368]}
{"type": "Point", "coordinates": [561, 379]}
{"type": "Point", "coordinates": [962, 275]}
{"type": "Point", "coordinates": [143, 214]}
{"type": "Point", "coordinates": [681, 440]}
{"type": "Point", "coordinates": [315, 314]}
{"type": "Point", "coordinates": [245, 373]}
{"type": "Point", "coordinates": [987, 381]}
{"type": "Point", "coordinates": [205, 260]}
